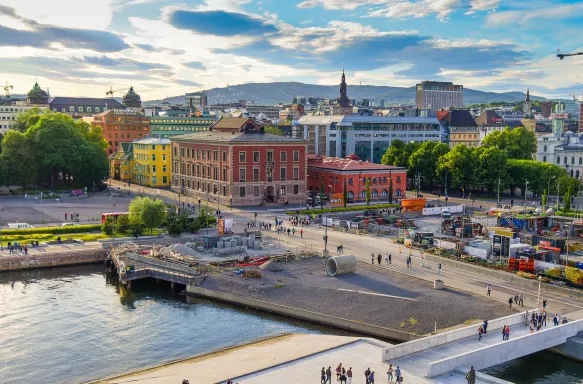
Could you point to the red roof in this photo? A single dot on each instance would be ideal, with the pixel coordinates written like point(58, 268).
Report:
point(335, 163)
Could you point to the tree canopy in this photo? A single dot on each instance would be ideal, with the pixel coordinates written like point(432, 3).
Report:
point(519, 143)
point(148, 212)
point(53, 145)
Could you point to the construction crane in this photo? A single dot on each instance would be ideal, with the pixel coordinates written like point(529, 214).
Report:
point(7, 89)
point(563, 55)
point(112, 91)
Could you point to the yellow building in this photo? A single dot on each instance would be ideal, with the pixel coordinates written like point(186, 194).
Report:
point(121, 163)
point(152, 162)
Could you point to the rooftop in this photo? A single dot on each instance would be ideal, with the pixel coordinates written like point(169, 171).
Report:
point(235, 137)
point(87, 101)
point(152, 140)
point(459, 118)
point(490, 117)
point(351, 119)
point(348, 164)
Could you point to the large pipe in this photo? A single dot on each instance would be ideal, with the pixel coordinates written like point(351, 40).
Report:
point(339, 265)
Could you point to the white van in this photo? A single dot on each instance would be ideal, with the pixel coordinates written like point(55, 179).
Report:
point(445, 213)
point(19, 226)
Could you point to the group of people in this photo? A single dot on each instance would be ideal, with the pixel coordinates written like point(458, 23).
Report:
point(72, 216)
point(19, 247)
point(388, 258)
point(345, 376)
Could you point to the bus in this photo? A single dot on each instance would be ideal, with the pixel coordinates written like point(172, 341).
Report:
point(114, 216)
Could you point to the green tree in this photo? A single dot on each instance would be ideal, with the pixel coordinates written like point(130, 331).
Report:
point(424, 159)
point(367, 191)
point(567, 199)
point(122, 223)
point(545, 197)
point(391, 190)
point(108, 227)
point(398, 155)
point(29, 118)
point(274, 130)
point(460, 165)
point(19, 159)
point(175, 223)
point(344, 194)
point(491, 166)
point(519, 143)
point(149, 212)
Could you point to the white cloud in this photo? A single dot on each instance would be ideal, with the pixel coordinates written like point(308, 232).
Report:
point(339, 4)
point(482, 5)
point(527, 17)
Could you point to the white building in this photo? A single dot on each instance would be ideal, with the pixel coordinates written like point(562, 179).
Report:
point(366, 136)
point(8, 115)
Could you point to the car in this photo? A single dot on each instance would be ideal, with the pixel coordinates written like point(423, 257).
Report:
point(19, 226)
point(68, 224)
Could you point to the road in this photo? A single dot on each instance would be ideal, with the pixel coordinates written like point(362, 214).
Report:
point(362, 246)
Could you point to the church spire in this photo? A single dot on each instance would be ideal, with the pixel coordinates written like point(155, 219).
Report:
point(343, 101)
point(528, 94)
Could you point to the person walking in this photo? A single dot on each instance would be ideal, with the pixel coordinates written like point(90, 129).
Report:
point(521, 300)
point(390, 373)
point(480, 331)
point(544, 304)
point(371, 378)
point(372, 258)
point(302, 233)
point(349, 376)
point(379, 258)
point(504, 333)
point(556, 320)
point(489, 288)
point(294, 231)
point(545, 319)
point(338, 371)
point(328, 376)
point(398, 374)
point(390, 258)
point(343, 376)
point(367, 374)
point(508, 333)
point(439, 268)
point(510, 303)
point(471, 375)
point(386, 258)
point(323, 376)
point(485, 325)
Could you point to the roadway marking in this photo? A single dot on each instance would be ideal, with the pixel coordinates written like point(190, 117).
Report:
point(374, 294)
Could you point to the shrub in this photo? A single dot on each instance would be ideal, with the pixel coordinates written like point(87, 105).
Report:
point(122, 224)
point(136, 229)
point(107, 228)
point(54, 230)
point(194, 227)
point(342, 209)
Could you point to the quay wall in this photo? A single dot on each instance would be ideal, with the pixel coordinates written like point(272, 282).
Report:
point(302, 314)
point(52, 259)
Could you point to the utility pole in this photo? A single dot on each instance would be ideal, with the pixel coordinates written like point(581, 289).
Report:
point(1, 210)
point(498, 203)
point(525, 191)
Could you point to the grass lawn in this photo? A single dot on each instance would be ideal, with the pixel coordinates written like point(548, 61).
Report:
point(86, 237)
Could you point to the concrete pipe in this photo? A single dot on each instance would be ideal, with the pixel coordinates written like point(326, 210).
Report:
point(339, 265)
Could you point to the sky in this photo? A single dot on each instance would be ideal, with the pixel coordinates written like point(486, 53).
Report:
point(169, 47)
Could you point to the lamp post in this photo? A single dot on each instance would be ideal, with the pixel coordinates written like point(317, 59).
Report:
point(42, 211)
point(208, 200)
point(525, 191)
point(1, 210)
point(113, 226)
point(538, 295)
point(326, 223)
point(549, 191)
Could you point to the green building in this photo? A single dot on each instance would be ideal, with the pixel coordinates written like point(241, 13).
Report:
point(166, 126)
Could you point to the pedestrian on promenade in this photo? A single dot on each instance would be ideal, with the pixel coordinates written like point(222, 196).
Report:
point(349, 376)
point(372, 258)
point(294, 231)
point(229, 381)
point(508, 333)
point(328, 376)
point(323, 376)
point(545, 319)
point(516, 299)
point(288, 231)
point(302, 233)
point(521, 300)
point(371, 378)
point(471, 375)
point(480, 331)
point(386, 258)
point(485, 325)
point(367, 374)
point(379, 258)
point(390, 259)
point(439, 268)
point(526, 318)
point(390, 373)
point(544, 304)
point(398, 374)
point(510, 303)
point(489, 288)
point(343, 376)
point(187, 382)
point(556, 320)
point(338, 371)
point(504, 333)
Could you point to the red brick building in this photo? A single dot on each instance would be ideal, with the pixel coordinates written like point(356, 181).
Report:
point(236, 162)
point(122, 126)
point(331, 172)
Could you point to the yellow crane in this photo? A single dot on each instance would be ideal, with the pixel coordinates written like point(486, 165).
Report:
point(111, 91)
point(7, 89)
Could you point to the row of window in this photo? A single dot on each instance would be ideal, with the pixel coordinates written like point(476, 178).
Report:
point(565, 160)
point(373, 180)
point(81, 109)
point(144, 156)
point(12, 109)
point(243, 191)
point(151, 146)
point(190, 153)
point(8, 117)
point(203, 171)
point(164, 120)
point(269, 174)
point(257, 156)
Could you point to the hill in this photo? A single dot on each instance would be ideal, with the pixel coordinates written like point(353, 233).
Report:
point(280, 92)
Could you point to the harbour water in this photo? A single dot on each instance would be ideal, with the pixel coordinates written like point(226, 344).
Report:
point(71, 325)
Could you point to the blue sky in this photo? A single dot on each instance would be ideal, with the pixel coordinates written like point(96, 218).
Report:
point(167, 47)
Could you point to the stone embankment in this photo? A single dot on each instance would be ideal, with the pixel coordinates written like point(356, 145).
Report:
point(50, 259)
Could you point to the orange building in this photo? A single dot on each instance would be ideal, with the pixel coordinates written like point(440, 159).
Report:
point(331, 172)
point(122, 126)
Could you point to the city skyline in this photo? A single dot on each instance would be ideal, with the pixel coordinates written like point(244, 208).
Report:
point(165, 48)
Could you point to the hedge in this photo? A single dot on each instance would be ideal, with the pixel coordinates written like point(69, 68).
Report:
point(54, 230)
point(343, 209)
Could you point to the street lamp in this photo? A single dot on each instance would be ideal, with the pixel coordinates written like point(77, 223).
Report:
point(42, 217)
point(549, 191)
point(326, 223)
point(113, 225)
point(1, 210)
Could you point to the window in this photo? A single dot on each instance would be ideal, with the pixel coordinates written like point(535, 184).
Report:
point(350, 181)
point(544, 158)
point(88, 109)
point(256, 190)
point(282, 190)
point(154, 180)
point(153, 169)
point(241, 174)
point(573, 160)
point(398, 192)
point(241, 191)
point(296, 189)
point(215, 155)
point(283, 155)
point(163, 157)
point(363, 194)
point(255, 157)
point(296, 173)
point(270, 156)
point(398, 179)
point(153, 157)
point(364, 180)
point(577, 174)
point(385, 193)
point(242, 157)
point(71, 109)
point(80, 109)
point(163, 168)
point(580, 160)
point(203, 154)
point(374, 193)
point(282, 175)
point(255, 174)
point(350, 195)
point(198, 153)
point(296, 155)
point(565, 160)
point(545, 148)
point(224, 156)
point(175, 151)
point(558, 160)
point(208, 154)
point(97, 109)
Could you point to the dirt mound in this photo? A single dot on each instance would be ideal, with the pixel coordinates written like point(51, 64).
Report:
point(272, 266)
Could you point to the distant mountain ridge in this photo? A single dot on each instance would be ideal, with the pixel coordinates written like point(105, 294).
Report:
point(284, 92)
